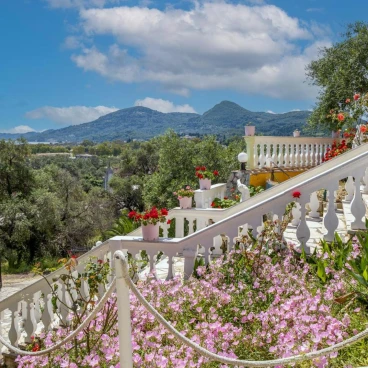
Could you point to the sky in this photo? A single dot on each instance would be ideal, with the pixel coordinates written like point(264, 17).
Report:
point(66, 62)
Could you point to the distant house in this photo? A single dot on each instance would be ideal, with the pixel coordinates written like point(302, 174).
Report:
point(85, 156)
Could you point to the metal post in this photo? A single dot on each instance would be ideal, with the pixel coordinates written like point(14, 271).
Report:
point(124, 324)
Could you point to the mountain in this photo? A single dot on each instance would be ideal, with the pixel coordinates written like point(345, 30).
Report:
point(225, 119)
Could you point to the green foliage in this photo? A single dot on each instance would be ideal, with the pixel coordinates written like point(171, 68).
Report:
point(122, 226)
point(341, 71)
point(333, 254)
point(359, 264)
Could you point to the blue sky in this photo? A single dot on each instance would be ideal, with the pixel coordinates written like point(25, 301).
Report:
point(66, 62)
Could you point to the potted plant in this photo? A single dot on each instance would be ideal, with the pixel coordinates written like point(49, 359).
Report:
point(185, 197)
point(296, 133)
point(150, 221)
point(250, 129)
point(205, 177)
point(226, 202)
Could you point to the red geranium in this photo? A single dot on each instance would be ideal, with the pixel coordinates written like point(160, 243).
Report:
point(296, 194)
point(363, 128)
point(152, 216)
point(356, 96)
point(203, 173)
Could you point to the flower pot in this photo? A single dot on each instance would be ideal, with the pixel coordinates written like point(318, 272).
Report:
point(204, 184)
point(250, 130)
point(296, 133)
point(150, 232)
point(335, 134)
point(185, 202)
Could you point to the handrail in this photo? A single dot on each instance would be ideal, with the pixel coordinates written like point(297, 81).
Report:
point(37, 285)
point(340, 167)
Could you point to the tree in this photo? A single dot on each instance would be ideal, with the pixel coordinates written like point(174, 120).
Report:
point(340, 72)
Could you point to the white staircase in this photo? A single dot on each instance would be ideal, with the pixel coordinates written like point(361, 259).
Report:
point(181, 252)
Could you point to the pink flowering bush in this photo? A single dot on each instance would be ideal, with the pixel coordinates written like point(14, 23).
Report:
point(245, 305)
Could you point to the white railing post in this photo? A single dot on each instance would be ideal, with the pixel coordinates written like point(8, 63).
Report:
point(122, 295)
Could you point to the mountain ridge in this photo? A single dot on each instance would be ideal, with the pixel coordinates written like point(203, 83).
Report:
point(224, 119)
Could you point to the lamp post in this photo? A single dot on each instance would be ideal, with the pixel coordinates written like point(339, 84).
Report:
point(242, 174)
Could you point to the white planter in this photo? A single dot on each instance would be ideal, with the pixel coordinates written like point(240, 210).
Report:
point(204, 184)
point(296, 133)
point(250, 130)
point(185, 202)
point(150, 232)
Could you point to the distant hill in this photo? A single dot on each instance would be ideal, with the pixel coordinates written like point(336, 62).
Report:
point(225, 119)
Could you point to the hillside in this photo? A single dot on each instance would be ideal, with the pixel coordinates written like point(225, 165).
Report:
point(225, 119)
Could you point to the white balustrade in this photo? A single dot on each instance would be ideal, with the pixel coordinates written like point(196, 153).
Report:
point(286, 152)
point(206, 225)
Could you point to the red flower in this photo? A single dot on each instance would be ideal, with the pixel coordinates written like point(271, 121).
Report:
point(356, 96)
point(347, 100)
point(73, 256)
point(296, 194)
point(346, 134)
point(132, 214)
point(213, 204)
point(200, 176)
point(341, 116)
point(215, 172)
point(164, 212)
point(168, 222)
point(363, 128)
point(100, 261)
point(226, 198)
point(203, 168)
point(36, 347)
point(198, 168)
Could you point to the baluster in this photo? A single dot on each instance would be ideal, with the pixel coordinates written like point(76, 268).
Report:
point(365, 187)
point(28, 316)
point(307, 155)
point(268, 154)
point(296, 213)
point(311, 154)
point(191, 225)
point(280, 155)
point(274, 152)
point(14, 333)
point(63, 305)
point(287, 155)
point(301, 155)
point(314, 206)
point(297, 155)
point(201, 223)
point(47, 314)
point(317, 155)
point(165, 229)
point(152, 254)
point(331, 221)
point(303, 232)
point(349, 187)
point(357, 206)
point(37, 307)
point(179, 227)
point(170, 274)
point(190, 254)
point(292, 155)
point(262, 155)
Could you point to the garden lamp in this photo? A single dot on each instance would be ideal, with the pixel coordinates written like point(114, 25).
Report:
point(243, 159)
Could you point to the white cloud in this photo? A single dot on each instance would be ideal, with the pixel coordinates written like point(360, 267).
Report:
point(67, 4)
point(70, 115)
point(20, 129)
point(72, 42)
point(163, 105)
point(215, 45)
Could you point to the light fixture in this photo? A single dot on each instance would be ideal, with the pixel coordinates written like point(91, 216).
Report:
point(243, 159)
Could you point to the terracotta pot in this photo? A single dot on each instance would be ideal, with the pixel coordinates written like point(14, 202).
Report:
point(204, 184)
point(185, 202)
point(335, 134)
point(150, 232)
point(250, 130)
point(296, 133)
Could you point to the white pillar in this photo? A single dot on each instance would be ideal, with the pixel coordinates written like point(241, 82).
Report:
point(122, 295)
